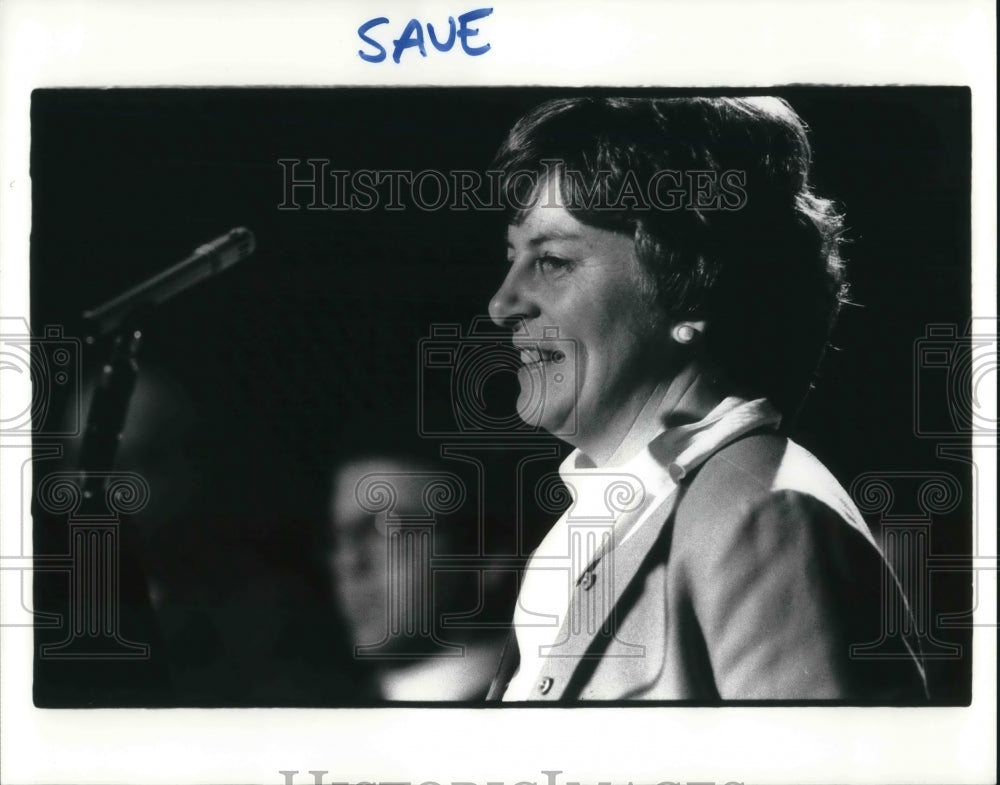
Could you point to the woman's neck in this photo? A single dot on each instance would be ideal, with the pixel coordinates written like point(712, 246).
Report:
point(688, 397)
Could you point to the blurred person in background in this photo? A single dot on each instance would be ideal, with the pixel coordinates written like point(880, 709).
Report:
point(389, 550)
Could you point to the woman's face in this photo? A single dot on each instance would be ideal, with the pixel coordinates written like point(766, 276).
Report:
point(588, 284)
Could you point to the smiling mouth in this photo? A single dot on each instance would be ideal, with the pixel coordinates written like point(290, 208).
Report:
point(533, 357)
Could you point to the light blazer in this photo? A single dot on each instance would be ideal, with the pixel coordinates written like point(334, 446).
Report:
point(751, 581)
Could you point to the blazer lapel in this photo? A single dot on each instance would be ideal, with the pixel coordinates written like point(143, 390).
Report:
point(510, 657)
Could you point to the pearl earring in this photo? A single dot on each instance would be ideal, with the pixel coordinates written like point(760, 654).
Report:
point(684, 333)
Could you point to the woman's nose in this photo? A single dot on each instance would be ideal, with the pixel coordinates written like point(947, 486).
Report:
point(511, 303)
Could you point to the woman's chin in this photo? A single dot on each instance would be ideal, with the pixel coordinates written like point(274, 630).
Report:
point(529, 414)
point(550, 416)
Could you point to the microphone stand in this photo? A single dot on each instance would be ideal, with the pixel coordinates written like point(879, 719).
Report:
point(103, 568)
point(95, 544)
point(108, 410)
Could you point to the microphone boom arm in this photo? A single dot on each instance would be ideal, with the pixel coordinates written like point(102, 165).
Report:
point(207, 260)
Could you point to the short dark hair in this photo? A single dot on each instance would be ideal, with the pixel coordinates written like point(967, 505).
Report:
point(760, 261)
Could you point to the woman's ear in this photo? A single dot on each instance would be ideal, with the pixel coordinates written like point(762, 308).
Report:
point(688, 331)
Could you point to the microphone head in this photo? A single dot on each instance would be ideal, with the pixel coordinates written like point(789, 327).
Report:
point(235, 245)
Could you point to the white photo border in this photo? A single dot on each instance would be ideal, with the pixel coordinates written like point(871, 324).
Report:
point(679, 44)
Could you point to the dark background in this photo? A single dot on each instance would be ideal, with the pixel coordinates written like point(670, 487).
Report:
point(254, 383)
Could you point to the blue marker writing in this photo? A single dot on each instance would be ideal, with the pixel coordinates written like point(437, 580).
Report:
point(412, 37)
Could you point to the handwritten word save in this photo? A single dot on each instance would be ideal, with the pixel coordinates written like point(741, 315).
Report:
point(413, 37)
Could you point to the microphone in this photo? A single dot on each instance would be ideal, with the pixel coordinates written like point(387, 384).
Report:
point(207, 260)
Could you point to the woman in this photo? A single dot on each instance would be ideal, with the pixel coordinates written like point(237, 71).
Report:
point(671, 288)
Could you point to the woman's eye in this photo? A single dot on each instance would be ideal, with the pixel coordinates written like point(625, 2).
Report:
point(554, 264)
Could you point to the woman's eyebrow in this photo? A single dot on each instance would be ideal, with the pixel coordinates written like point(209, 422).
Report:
point(550, 235)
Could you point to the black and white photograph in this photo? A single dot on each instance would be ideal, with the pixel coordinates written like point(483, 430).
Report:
point(393, 404)
point(509, 402)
